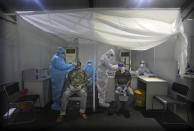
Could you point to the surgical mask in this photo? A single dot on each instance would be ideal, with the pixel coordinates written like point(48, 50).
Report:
point(112, 55)
point(89, 64)
point(111, 58)
point(141, 65)
point(62, 55)
point(123, 69)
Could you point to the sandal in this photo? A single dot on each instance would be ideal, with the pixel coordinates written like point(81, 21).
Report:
point(84, 116)
point(59, 119)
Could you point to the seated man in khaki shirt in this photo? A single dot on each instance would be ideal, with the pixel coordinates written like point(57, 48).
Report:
point(77, 81)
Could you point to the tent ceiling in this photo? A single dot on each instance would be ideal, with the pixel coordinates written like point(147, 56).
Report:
point(137, 29)
point(134, 29)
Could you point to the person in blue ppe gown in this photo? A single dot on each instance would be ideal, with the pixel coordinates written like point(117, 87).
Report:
point(58, 70)
point(89, 70)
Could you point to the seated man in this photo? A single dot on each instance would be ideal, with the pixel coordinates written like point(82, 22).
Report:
point(77, 81)
point(123, 90)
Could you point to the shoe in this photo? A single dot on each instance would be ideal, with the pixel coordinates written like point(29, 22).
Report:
point(105, 105)
point(84, 116)
point(59, 119)
point(118, 113)
point(110, 111)
point(126, 114)
point(56, 107)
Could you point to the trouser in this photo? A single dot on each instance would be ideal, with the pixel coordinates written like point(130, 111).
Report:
point(57, 89)
point(126, 104)
point(118, 103)
point(69, 92)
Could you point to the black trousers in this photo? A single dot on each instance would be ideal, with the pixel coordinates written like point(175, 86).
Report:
point(120, 105)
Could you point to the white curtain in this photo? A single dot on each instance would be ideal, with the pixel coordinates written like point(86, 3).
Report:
point(134, 29)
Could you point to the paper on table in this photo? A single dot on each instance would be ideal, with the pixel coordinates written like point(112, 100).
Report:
point(9, 113)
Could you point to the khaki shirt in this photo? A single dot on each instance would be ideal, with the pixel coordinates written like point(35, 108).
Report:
point(77, 78)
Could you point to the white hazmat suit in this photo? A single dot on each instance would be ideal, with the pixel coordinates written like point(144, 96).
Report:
point(142, 68)
point(105, 82)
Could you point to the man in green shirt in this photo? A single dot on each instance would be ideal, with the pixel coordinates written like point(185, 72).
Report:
point(77, 81)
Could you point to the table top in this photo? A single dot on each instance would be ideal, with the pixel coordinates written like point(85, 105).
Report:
point(151, 79)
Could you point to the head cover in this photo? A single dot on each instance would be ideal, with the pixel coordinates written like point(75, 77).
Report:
point(60, 52)
point(110, 53)
point(142, 62)
point(89, 62)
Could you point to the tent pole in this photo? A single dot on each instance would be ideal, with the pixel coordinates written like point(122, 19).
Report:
point(154, 56)
point(94, 82)
point(130, 59)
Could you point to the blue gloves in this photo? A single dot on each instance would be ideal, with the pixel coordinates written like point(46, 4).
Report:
point(125, 89)
point(120, 64)
point(141, 74)
point(118, 88)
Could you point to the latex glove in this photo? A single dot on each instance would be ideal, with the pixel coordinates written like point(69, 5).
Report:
point(141, 74)
point(120, 64)
point(74, 64)
point(125, 88)
point(115, 67)
point(118, 88)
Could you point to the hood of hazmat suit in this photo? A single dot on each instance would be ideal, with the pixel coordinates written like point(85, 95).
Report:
point(58, 70)
point(105, 82)
point(142, 68)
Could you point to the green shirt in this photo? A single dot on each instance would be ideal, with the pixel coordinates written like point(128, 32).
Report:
point(77, 78)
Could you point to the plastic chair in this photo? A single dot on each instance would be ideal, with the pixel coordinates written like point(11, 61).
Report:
point(21, 102)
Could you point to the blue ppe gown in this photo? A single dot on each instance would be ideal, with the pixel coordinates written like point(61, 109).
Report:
point(89, 70)
point(58, 71)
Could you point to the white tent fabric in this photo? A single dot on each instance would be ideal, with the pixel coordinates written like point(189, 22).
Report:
point(133, 29)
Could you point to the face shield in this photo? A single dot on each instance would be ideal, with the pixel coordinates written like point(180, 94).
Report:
point(111, 55)
point(89, 63)
point(62, 55)
point(142, 63)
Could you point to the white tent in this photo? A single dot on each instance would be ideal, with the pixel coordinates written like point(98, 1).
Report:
point(133, 29)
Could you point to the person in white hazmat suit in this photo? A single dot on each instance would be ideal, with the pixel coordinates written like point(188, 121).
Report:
point(142, 68)
point(105, 78)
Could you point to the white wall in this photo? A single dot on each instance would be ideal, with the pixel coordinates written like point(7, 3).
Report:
point(188, 26)
point(87, 51)
point(24, 46)
point(8, 52)
point(162, 63)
